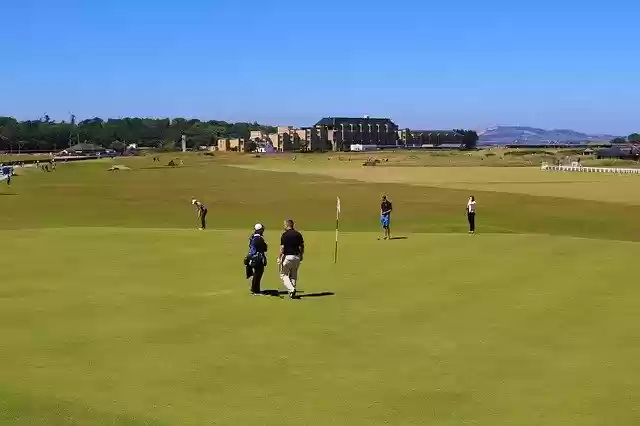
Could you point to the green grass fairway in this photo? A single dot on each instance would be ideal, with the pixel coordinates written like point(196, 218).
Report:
point(114, 310)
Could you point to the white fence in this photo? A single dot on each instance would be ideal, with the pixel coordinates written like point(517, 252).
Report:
point(574, 168)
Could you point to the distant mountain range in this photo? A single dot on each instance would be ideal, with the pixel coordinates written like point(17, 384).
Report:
point(522, 135)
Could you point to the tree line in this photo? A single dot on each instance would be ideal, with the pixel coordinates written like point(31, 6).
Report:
point(45, 134)
point(632, 138)
point(469, 138)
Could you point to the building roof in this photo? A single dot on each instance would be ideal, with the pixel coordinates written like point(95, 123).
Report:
point(616, 151)
point(85, 147)
point(436, 132)
point(336, 121)
point(449, 145)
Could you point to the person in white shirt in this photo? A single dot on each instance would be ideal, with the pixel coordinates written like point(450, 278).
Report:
point(471, 214)
point(202, 213)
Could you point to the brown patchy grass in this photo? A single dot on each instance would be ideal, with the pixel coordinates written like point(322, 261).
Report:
point(518, 180)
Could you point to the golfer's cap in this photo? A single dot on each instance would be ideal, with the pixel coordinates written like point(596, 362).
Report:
point(258, 227)
point(193, 201)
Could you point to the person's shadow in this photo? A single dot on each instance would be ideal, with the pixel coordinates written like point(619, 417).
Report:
point(299, 294)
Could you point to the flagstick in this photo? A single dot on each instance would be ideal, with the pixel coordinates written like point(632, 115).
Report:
point(335, 250)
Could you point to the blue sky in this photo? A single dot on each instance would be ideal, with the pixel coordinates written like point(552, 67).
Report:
point(464, 63)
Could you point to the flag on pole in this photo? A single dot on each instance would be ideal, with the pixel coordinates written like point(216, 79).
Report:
point(335, 250)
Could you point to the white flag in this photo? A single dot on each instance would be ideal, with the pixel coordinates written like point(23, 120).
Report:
point(338, 206)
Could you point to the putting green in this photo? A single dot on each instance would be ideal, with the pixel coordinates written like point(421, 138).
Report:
point(156, 327)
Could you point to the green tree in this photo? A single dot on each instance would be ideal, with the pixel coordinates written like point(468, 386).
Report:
point(46, 134)
point(117, 146)
point(634, 138)
point(469, 138)
point(618, 140)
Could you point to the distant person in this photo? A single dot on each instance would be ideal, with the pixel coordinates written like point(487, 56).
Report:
point(291, 255)
point(471, 214)
point(202, 213)
point(385, 217)
point(256, 259)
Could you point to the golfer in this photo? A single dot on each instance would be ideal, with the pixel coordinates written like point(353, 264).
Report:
point(256, 259)
point(385, 217)
point(202, 213)
point(471, 214)
point(291, 254)
point(8, 172)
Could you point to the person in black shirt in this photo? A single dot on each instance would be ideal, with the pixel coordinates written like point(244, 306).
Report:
point(385, 216)
point(202, 213)
point(291, 255)
point(256, 259)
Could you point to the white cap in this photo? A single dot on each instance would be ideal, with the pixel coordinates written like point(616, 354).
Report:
point(193, 201)
point(258, 227)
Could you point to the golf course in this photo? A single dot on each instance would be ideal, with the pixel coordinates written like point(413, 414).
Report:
point(116, 310)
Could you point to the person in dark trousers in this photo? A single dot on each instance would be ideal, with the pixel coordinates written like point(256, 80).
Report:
point(256, 259)
point(8, 171)
point(291, 255)
point(471, 214)
point(385, 217)
point(202, 213)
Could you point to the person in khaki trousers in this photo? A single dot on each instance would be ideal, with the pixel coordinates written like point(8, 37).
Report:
point(291, 255)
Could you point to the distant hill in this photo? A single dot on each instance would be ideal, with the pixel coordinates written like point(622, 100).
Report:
point(522, 135)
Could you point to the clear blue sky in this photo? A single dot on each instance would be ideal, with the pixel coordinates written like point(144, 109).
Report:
point(465, 63)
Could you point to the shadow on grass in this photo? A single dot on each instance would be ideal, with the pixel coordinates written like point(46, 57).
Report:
point(300, 294)
point(8, 193)
point(322, 294)
point(274, 293)
point(399, 238)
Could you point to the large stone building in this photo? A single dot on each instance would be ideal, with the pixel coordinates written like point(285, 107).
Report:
point(257, 135)
point(339, 133)
point(289, 138)
point(330, 134)
point(429, 137)
point(237, 144)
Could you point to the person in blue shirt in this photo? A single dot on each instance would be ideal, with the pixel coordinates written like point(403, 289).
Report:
point(7, 171)
point(385, 217)
point(256, 259)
